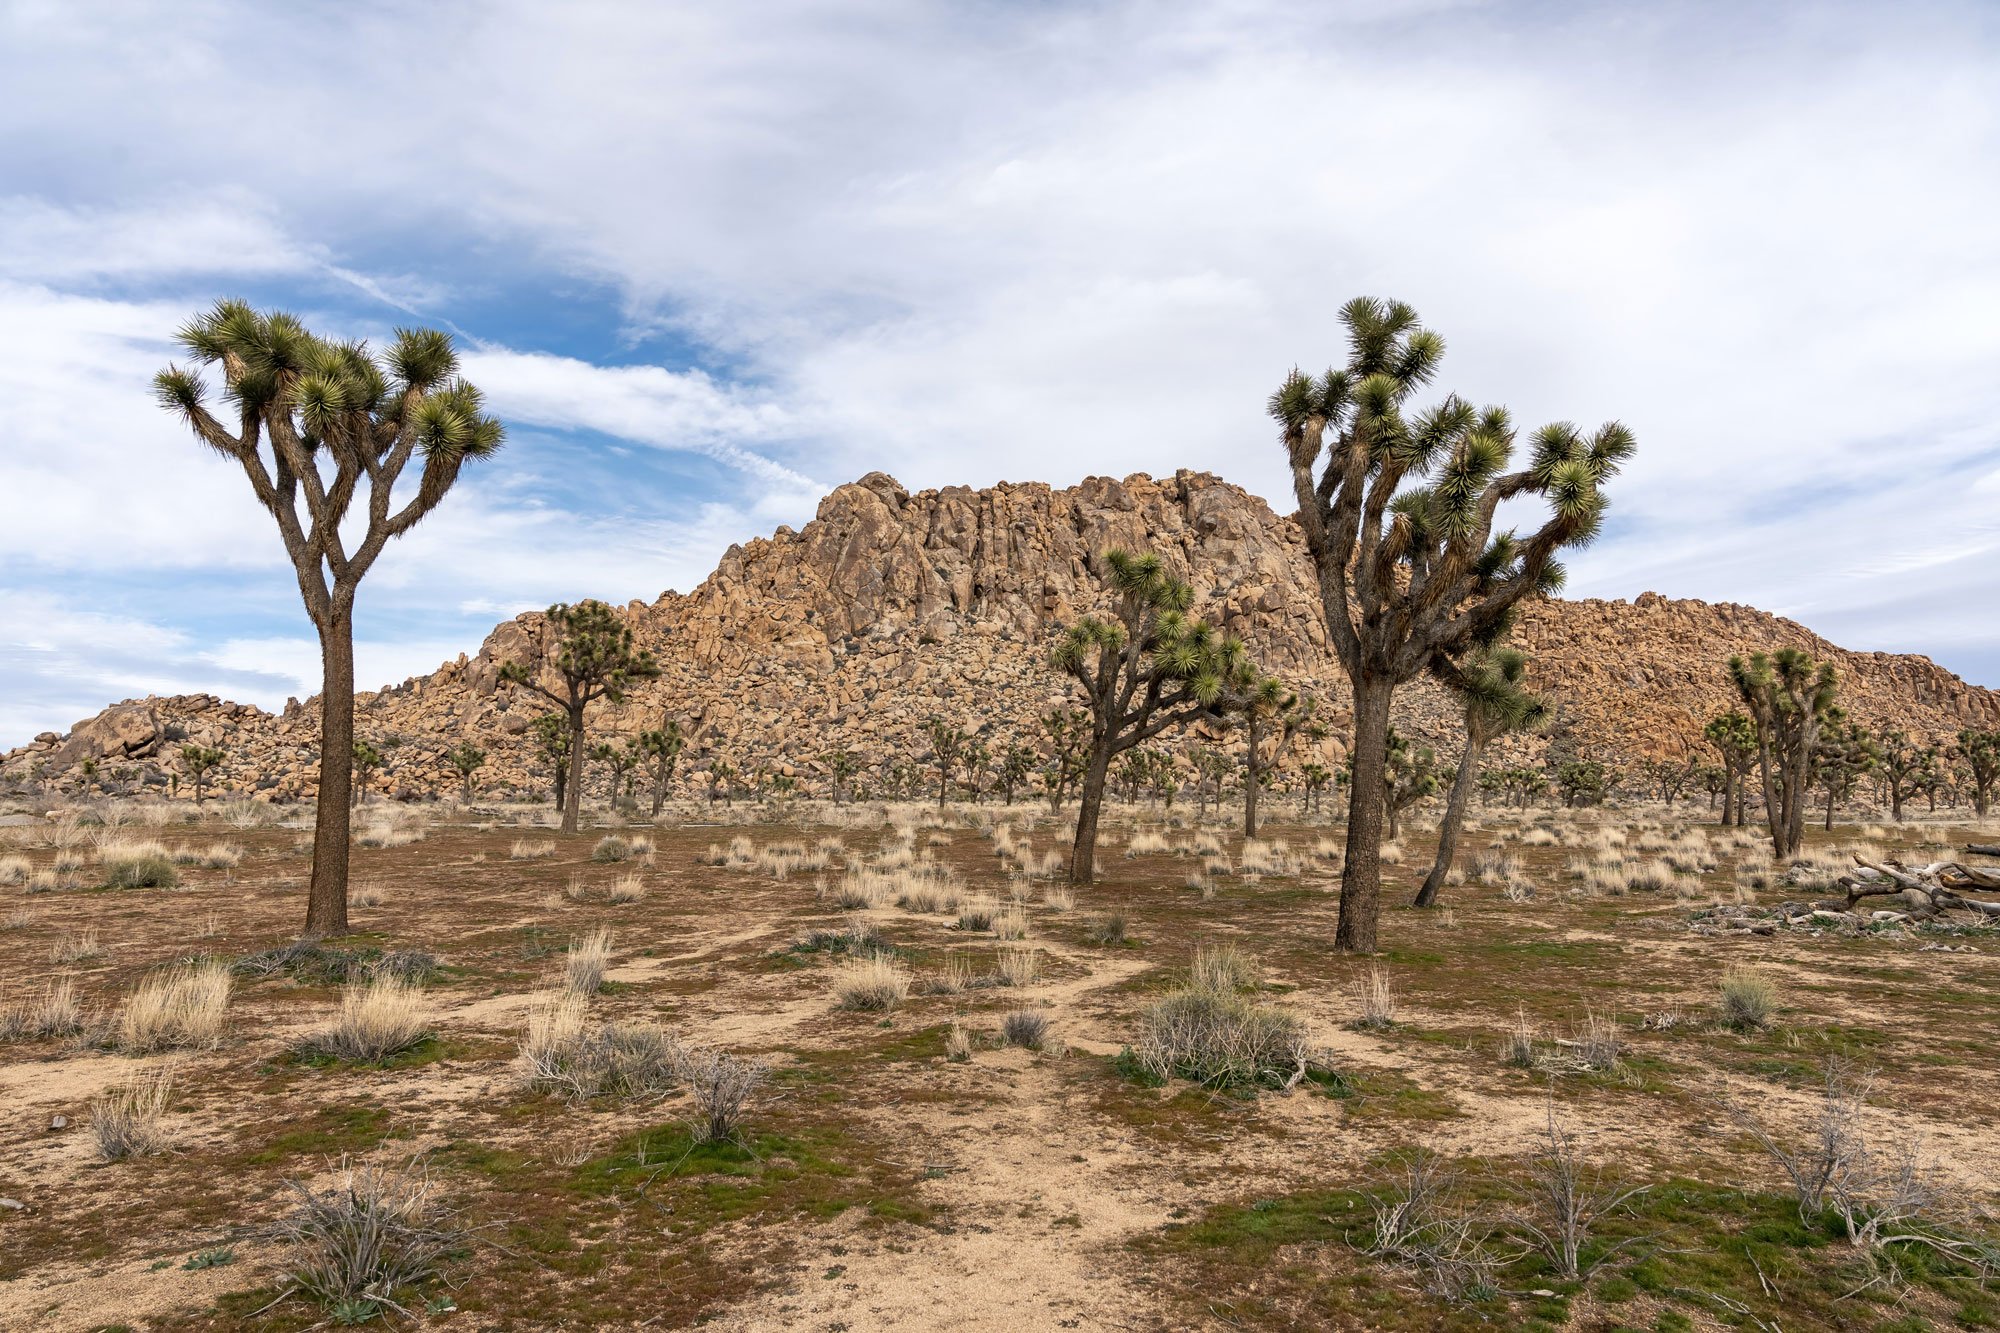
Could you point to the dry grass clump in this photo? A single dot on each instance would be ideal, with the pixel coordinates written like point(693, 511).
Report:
point(376, 1231)
point(74, 946)
point(215, 856)
point(877, 984)
point(15, 870)
point(182, 1008)
point(1518, 1047)
point(611, 849)
point(977, 914)
point(1147, 842)
point(1392, 853)
point(628, 889)
point(957, 1044)
point(1327, 849)
point(586, 961)
point(1749, 998)
point(379, 1018)
point(958, 975)
point(1222, 967)
point(366, 894)
point(1537, 836)
point(1011, 923)
point(1374, 999)
point(1219, 1038)
point(1495, 867)
point(561, 1052)
point(19, 919)
point(392, 829)
point(138, 866)
point(1018, 966)
point(527, 850)
point(1106, 931)
point(1058, 898)
point(53, 1013)
point(1025, 1027)
point(130, 1121)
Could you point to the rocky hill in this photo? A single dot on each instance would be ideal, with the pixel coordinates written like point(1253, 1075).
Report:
point(890, 607)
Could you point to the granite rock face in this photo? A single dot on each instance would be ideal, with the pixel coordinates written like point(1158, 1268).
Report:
point(890, 607)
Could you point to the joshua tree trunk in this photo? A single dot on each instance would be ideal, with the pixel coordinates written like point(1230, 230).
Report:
point(326, 898)
point(573, 785)
point(1361, 877)
point(1454, 816)
point(1250, 787)
point(1083, 853)
point(1829, 808)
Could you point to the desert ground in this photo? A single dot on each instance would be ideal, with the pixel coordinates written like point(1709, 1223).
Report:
point(915, 1165)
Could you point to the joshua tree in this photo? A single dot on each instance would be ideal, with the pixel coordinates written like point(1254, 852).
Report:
point(1789, 697)
point(1492, 686)
point(1734, 737)
point(468, 759)
point(319, 424)
point(975, 763)
point(1211, 769)
point(1582, 781)
point(948, 745)
point(1714, 779)
point(552, 745)
point(663, 746)
point(1016, 763)
point(1313, 779)
point(841, 766)
point(722, 778)
point(366, 760)
point(594, 658)
point(1982, 763)
point(620, 760)
point(1903, 766)
point(1068, 730)
point(1411, 571)
point(1146, 670)
point(1843, 755)
point(1670, 777)
point(1271, 713)
point(1523, 784)
point(1410, 775)
point(199, 763)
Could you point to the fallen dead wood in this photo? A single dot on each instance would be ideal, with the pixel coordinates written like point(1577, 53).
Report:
point(1927, 890)
point(1983, 848)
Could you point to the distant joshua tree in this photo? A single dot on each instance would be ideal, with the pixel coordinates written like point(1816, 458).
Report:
point(1411, 774)
point(552, 746)
point(1789, 697)
point(467, 759)
point(1068, 730)
point(1148, 669)
point(199, 763)
point(1016, 763)
point(1492, 684)
point(318, 424)
point(1272, 715)
point(1734, 737)
point(366, 760)
point(1844, 754)
point(1582, 781)
point(595, 658)
point(1398, 513)
point(948, 745)
point(619, 761)
point(1981, 750)
point(662, 746)
point(722, 779)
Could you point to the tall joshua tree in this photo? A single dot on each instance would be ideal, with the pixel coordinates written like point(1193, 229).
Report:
point(663, 746)
point(1790, 698)
point(594, 658)
point(318, 425)
point(948, 746)
point(1982, 761)
point(1906, 767)
point(1844, 754)
point(841, 766)
point(1409, 775)
point(1146, 670)
point(199, 763)
point(1492, 686)
point(551, 744)
point(1398, 507)
point(1734, 737)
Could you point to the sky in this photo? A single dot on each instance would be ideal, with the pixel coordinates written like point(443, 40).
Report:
point(710, 261)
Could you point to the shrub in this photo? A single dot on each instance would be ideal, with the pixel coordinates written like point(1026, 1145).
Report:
point(1219, 1039)
point(378, 1019)
point(1568, 1197)
point(375, 1231)
point(561, 1052)
point(611, 848)
point(877, 983)
point(1106, 930)
point(722, 1086)
point(1025, 1027)
point(586, 961)
point(54, 1013)
point(140, 870)
point(183, 1008)
point(1415, 1223)
point(130, 1121)
point(1748, 998)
